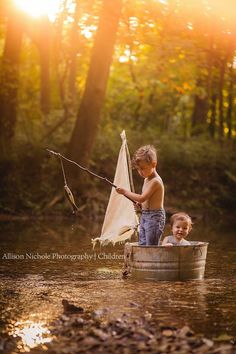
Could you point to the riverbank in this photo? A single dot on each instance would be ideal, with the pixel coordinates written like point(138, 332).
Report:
point(227, 219)
point(79, 330)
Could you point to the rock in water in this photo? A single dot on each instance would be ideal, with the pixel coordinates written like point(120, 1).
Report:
point(70, 308)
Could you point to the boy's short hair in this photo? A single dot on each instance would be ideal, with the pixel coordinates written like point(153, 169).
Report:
point(181, 217)
point(145, 153)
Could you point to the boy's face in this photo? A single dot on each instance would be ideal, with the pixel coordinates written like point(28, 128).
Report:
point(146, 169)
point(180, 229)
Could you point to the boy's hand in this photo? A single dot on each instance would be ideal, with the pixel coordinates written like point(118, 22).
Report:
point(121, 190)
point(168, 244)
point(137, 207)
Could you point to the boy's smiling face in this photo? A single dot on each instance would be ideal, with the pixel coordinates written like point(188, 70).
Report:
point(146, 169)
point(180, 229)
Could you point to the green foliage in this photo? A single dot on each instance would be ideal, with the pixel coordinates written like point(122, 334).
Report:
point(29, 180)
point(166, 54)
point(198, 174)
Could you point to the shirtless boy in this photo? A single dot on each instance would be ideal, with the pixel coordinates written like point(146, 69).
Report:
point(151, 199)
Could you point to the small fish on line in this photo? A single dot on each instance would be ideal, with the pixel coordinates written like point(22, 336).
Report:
point(71, 199)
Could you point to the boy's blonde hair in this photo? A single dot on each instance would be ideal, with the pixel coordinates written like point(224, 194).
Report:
point(181, 217)
point(145, 153)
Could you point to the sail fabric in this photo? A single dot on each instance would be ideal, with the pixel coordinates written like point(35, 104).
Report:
point(120, 220)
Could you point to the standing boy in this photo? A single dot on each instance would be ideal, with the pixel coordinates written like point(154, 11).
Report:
point(151, 199)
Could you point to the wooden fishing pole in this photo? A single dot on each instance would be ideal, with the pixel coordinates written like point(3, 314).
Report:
point(104, 179)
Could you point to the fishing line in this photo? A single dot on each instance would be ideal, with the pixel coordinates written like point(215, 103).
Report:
point(63, 171)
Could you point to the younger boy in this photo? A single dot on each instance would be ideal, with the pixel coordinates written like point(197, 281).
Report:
point(152, 220)
point(181, 225)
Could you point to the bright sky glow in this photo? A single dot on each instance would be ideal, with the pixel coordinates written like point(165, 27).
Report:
point(37, 8)
point(88, 31)
point(134, 22)
point(123, 59)
point(190, 26)
point(234, 62)
point(163, 2)
point(126, 57)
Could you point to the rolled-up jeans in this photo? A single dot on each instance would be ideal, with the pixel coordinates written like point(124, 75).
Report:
point(152, 225)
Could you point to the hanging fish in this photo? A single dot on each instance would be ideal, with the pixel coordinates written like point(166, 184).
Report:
point(67, 190)
point(71, 199)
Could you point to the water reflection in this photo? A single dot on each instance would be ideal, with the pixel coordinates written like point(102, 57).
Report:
point(31, 333)
point(37, 286)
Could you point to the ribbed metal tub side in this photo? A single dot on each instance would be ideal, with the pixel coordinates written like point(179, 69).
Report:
point(167, 263)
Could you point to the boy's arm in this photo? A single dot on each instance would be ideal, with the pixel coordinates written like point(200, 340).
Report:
point(140, 198)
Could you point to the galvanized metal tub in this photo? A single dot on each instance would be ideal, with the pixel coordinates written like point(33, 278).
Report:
point(166, 263)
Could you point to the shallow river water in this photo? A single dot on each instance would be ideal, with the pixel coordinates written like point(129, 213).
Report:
point(45, 262)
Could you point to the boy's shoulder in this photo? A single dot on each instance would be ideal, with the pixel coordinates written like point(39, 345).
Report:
point(154, 183)
point(157, 180)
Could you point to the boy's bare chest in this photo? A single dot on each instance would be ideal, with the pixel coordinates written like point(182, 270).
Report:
point(155, 199)
point(146, 185)
point(149, 183)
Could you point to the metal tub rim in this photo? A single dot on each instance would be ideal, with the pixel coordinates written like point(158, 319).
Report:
point(192, 243)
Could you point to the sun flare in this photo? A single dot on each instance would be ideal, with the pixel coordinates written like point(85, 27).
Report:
point(31, 333)
point(37, 8)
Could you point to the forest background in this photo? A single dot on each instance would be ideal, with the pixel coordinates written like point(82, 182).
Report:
point(74, 74)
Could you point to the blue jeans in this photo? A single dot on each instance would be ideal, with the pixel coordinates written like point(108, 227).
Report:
point(152, 225)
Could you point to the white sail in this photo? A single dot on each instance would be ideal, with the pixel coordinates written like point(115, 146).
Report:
point(120, 220)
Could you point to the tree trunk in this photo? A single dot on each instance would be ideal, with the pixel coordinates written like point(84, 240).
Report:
point(85, 130)
point(9, 80)
point(199, 114)
point(44, 53)
point(230, 101)
point(41, 34)
point(74, 38)
point(212, 125)
point(221, 110)
point(211, 81)
point(204, 83)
